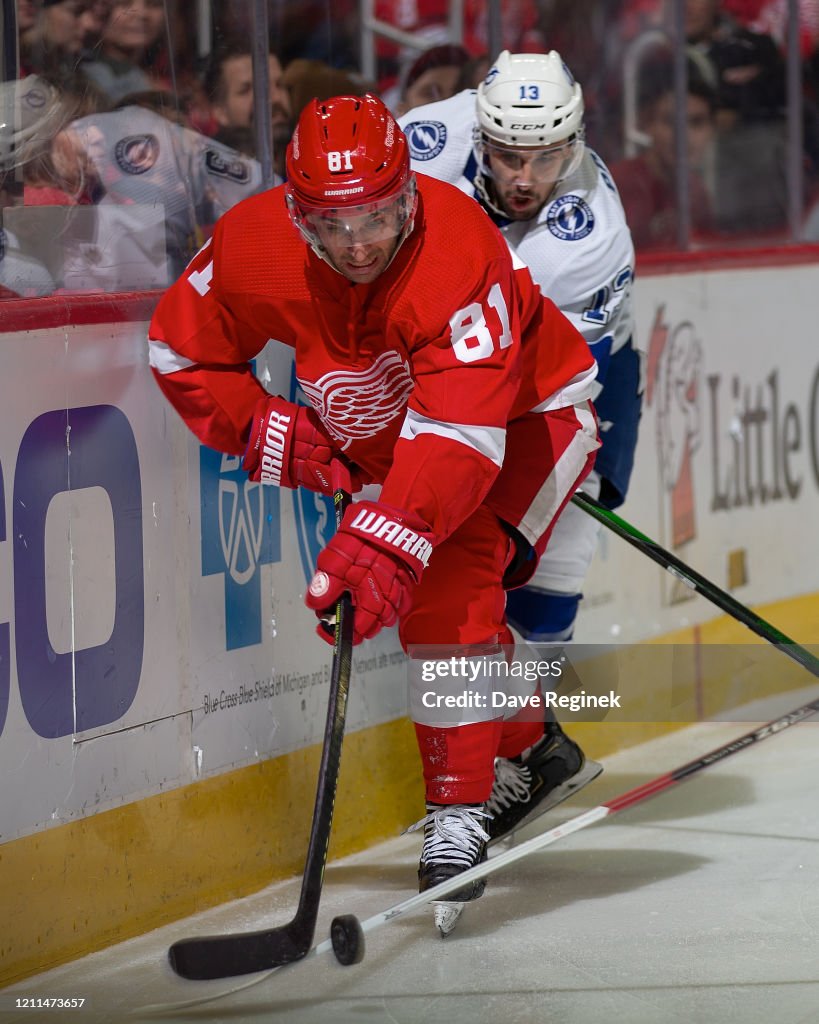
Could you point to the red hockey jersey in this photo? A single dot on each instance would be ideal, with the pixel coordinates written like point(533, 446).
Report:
point(416, 374)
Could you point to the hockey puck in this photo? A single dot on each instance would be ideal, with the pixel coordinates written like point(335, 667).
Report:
point(347, 939)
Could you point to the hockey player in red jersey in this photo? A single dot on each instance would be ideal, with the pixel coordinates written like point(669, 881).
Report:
point(434, 367)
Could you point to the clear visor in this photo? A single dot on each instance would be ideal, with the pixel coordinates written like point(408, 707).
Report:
point(527, 166)
point(331, 227)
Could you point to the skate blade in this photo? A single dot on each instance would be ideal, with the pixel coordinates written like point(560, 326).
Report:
point(588, 773)
point(446, 915)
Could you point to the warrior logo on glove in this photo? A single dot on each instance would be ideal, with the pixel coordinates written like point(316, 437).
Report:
point(392, 532)
point(378, 556)
point(275, 445)
point(290, 447)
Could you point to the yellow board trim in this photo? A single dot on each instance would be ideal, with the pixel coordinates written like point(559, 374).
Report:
point(80, 887)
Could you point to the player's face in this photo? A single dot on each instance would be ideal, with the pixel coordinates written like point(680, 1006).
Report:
point(523, 179)
point(360, 242)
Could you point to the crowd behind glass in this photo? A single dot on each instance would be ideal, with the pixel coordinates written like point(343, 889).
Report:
point(127, 126)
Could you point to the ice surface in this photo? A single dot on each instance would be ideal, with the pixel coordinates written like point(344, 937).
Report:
point(698, 905)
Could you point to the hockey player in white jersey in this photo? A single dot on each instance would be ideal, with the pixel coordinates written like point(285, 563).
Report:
point(517, 145)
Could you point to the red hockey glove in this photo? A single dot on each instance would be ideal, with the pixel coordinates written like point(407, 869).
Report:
point(377, 555)
point(289, 446)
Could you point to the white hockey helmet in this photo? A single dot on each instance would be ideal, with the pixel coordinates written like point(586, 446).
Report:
point(529, 99)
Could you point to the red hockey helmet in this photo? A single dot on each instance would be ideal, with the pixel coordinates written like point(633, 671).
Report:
point(346, 151)
point(348, 160)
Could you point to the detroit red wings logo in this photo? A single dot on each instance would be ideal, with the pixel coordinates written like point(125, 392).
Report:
point(359, 403)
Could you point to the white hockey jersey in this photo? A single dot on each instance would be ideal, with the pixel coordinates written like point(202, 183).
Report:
point(578, 249)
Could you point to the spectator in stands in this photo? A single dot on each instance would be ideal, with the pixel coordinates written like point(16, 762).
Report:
point(137, 156)
point(54, 43)
point(26, 16)
point(428, 20)
point(240, 137)
point(228, 85)
point(473, 72)
point(596, 39)
point(648, 182)
point(42, 107)
point(435, 75)
point(28, 176)
point(770, 17)
point(131, 29)
point(307, 80)
point(93, 22)
point(750, 68)
point(159, 100)
point(159, 185)
point(751, 159)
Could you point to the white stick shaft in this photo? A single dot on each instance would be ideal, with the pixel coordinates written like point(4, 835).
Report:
point(489, 867)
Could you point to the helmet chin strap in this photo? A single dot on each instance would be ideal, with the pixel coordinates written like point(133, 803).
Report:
point(482, 187)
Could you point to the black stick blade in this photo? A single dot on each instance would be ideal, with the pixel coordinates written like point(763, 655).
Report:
point(224, 956)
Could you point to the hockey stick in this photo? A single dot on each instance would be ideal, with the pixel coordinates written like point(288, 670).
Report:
point(695, 581)
point(222, 956)
point(604, 810)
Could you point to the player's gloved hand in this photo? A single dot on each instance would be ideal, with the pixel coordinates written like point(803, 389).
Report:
point(289, 446)
point(377, 555)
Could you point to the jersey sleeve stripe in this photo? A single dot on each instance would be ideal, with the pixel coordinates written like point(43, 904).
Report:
point(163, 359)
point(487, 441)
point(582, 387)
point(557, 486)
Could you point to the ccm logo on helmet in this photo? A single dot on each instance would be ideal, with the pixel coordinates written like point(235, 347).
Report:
point(528, 127)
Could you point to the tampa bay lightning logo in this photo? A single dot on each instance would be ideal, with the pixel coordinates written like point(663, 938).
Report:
point(426, 139)
point(314, 514)
point(570, 218)
point(491, 75)
point(137, 154)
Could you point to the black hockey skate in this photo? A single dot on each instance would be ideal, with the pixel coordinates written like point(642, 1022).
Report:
point(537, 780)
point(454, 840)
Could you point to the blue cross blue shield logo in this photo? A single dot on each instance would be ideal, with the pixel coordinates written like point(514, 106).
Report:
point(241, 530)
